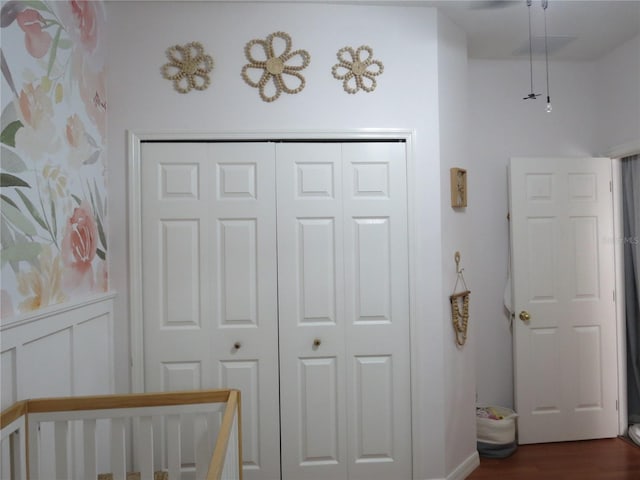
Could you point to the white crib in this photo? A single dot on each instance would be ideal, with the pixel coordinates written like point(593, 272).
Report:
point(152, 436)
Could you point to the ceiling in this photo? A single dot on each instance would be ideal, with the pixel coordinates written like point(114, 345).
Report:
point(578, 30)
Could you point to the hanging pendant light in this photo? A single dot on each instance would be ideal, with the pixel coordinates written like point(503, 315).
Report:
point(545, 5)
point(531, 96)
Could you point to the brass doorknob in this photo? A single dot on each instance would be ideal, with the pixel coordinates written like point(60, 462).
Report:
point(524, 316)
point(316, 342)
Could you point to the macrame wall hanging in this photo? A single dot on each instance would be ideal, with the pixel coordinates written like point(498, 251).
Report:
point(356, 71)
point(460, 319)
point(268, 70)
point(188, 67)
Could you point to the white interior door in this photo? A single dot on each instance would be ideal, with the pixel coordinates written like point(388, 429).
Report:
point(563, 285)
point(210, 281)
point(343, 307)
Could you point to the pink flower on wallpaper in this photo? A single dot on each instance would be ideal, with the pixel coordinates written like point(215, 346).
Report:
point(36, 40)
point(93, 90)
point(41, 286)
point(84, 21)
point(79, 248)
point(76, 136)
point(35, 110)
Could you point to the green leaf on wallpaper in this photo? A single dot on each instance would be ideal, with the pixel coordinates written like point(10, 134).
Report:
point(54, 221)
point(10, 161)
point(38, 5)
point(8, 200)
point(19, 221)
point(101, 254)
point(91, 140)
point(8, 135)
point(53, 51)
point(22, 251)
point(9, 114)
point(93, 203)
point(93, 158)
point(100, 206)
point(65, 44)
point(76, 198)
point(8, 180)
point(6, 235)
point(103, 237)
point(32, 210)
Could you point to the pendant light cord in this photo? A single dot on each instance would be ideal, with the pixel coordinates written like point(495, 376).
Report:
point(531, 96)
point(545, 4)
point(530, 47)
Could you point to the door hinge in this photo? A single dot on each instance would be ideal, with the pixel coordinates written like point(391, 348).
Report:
point(616, 405)
point(614, 296)
point(610, 186)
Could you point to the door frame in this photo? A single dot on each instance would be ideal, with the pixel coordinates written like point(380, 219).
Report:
point(134, 211)
point(616, 153)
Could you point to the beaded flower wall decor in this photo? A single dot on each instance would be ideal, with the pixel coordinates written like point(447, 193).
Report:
point(188, 67)
point(357, 73)
point(267, 69)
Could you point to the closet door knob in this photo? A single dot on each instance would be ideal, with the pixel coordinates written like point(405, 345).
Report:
point(524, 316)
point(237, 345)
point(316, 342)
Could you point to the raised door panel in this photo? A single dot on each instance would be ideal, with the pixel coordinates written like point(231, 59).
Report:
point(209, 280)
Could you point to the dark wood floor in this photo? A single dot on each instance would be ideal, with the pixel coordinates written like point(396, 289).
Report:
point(609, 459)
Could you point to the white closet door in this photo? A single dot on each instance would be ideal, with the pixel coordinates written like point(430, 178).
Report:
point(209, 282)
point(311, 311)
point(377, 310)
point(343, 307)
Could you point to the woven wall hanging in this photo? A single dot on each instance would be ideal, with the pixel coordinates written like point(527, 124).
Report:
point(357, 73)
point(268, 70)
point(188, 67)
point(460, 319)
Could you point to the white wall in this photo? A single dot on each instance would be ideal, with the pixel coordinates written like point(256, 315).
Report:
point(503, 125)
point(403, 38)
point(596, 107)
point(618, 97)
point(460, 374)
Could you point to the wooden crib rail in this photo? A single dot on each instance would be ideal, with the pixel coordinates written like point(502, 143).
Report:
point(224, 463)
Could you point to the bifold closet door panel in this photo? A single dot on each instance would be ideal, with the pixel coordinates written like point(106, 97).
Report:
point(210, 281)
point(343, 306)
point(311, 306)
point(376, 291)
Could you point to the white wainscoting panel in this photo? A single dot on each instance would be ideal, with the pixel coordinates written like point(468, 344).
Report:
point(59, 351)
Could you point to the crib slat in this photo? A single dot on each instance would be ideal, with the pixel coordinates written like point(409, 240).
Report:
point(118, 449)
point(89, 443)
point(61, 430)
point(202, 444)
point(145, 445)
point(34, 450)
point(230, 468)
point(173, 446)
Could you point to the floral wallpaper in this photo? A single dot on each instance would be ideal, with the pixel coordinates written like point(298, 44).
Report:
point(52, 137)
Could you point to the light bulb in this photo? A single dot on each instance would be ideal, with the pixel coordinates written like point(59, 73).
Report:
point(549, 108)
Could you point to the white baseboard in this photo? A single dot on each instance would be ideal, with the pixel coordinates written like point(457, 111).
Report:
point(463, 470)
